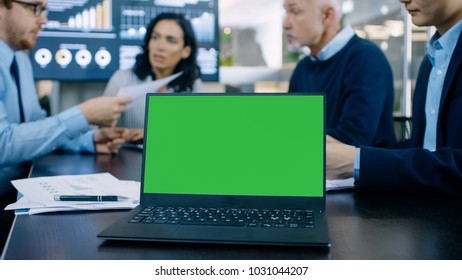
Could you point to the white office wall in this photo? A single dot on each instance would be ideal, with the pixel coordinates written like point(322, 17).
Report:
point(265, 17)
point(269, 36)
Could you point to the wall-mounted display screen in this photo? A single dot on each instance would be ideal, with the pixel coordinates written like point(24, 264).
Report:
point(91, 39)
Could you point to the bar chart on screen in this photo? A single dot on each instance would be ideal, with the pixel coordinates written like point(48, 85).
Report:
point(91, 39)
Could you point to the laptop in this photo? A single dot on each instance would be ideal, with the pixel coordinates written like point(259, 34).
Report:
point(231, 168)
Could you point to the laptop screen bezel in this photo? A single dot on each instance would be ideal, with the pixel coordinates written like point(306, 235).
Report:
point(230, 201)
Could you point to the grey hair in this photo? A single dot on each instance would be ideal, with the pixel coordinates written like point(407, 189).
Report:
point(336, 4)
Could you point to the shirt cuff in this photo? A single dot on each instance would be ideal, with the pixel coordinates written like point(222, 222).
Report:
point(86, 143)
point(75, 121)
point(356, 165)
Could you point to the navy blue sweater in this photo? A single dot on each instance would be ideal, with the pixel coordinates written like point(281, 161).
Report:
point(358, 84)
point(416, 170)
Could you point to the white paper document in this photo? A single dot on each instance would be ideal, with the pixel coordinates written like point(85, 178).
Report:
point(332, 185)
point(39, 193)
point(139, 91)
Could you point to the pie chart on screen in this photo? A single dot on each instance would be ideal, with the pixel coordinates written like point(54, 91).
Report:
point(43, 57)
point(83, 58)
point(103, 58)
point(63, 57)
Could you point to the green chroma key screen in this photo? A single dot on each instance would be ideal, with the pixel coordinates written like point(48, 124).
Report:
point(271, 145)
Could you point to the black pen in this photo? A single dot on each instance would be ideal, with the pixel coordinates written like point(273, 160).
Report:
point(89, 198)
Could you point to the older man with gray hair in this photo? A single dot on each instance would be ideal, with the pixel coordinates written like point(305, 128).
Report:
point(352, 72)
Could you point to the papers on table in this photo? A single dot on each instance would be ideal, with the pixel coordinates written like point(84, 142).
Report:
point(139, 91)
point(133, 146)
point(38, 193)
point(333, 185)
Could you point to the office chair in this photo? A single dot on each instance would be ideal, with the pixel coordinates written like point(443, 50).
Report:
point(403, 127)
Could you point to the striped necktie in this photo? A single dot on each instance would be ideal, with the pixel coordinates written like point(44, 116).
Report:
point(15, 74)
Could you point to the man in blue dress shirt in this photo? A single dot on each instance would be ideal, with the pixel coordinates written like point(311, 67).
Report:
point(431, 161)
point(353, 73)
point(25, 132)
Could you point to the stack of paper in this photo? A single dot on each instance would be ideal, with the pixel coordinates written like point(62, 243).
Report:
point(38, 194)
point(139, 91)
point(335, 185)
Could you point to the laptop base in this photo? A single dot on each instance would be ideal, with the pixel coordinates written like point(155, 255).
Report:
point(123, 230)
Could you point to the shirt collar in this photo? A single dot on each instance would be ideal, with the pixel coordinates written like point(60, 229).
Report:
point(447, 42)
point(6, 54)
point(335, 45)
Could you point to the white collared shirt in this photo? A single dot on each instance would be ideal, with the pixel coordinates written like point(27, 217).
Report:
point(335, 45)
point(439, 52)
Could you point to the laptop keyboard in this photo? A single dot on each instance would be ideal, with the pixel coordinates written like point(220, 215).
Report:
point(225, 217)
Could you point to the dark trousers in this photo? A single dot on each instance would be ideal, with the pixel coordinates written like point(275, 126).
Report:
point(6, 216)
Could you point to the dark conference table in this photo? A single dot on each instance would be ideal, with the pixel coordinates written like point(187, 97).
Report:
point(361, 227)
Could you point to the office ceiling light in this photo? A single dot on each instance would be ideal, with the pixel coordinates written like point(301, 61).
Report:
point(384, 46)
point(384, 10)
point(419, 36)
point(361, 33)
point(377, 32)
point(227, 30)
point(348, 6)
point(395, 27)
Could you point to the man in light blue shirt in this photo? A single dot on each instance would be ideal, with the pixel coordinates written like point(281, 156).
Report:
point(439, 52)
point(25, 132)
point(431, 161)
